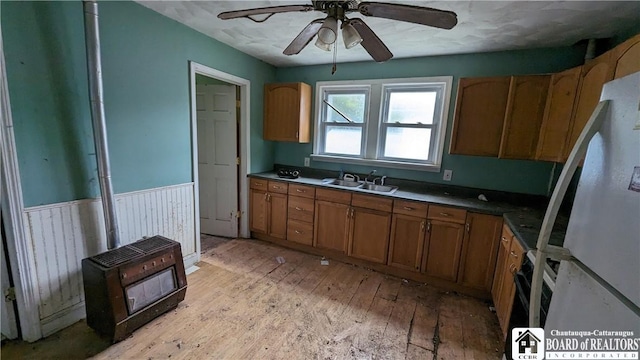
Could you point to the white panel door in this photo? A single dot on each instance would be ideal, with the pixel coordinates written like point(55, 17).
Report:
point(217, 153)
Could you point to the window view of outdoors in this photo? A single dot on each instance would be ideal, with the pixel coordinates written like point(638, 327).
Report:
point(407, 143)
point(344, 139)
point(411, 107)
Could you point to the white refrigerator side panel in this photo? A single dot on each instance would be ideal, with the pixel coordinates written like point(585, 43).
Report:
point(604, 227)
point(581, 303)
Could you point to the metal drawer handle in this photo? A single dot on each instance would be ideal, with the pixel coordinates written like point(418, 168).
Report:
point(257, 183)
point(299, 232)
point(513, 253)
point(445, 214)
point(408, 208)
point(504, 238)
point(512, 269)
point(299, 208)
point(301, 191)
point(276, 187)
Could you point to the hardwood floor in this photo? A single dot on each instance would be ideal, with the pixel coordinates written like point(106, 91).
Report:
point(243, 304)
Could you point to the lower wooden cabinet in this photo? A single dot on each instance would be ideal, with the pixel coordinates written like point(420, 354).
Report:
point(258, 211)
point(509, 259)
point(331, 226)
point(407, 242)
point(479, 251)
point(268, 211)
point(429, 240)
point(369, 234)
point(442, 252)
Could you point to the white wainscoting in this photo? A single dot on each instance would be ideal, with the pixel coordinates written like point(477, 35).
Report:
point(63, 234)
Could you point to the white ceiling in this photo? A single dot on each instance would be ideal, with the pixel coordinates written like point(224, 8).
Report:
point(482, 26)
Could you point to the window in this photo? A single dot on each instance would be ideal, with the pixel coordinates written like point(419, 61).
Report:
point(394, 123)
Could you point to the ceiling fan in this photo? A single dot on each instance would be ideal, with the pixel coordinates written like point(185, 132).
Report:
point(354, 30)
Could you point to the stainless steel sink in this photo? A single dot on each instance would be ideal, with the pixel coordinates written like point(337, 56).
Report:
point(346, 183)
point(379, 188)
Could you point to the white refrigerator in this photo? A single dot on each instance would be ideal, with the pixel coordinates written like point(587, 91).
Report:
point(600, 288)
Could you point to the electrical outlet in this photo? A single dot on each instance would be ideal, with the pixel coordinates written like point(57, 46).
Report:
point(307, 162)
point(447, 175)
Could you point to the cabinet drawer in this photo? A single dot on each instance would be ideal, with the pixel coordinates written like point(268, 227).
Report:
point(300, 232)
point(372, 202)
point(411, 208)
point(336, 196)
point(300, 209)
point(301, 190)
point(258, 184)
point(447, 214)
point(278, 187)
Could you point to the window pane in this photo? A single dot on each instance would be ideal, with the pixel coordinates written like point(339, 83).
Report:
point(343, 140)
point(407, 143)
point(351, 105)
point(411, 107)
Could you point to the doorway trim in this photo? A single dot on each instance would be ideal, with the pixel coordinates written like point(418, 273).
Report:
point(21, 257)
point(245, 153)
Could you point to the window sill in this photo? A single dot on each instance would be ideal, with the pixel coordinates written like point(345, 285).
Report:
point(380, 163)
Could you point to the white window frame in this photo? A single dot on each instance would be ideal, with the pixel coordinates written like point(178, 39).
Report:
point(374, 129)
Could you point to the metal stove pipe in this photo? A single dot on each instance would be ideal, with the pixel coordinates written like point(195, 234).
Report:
point(94, 69)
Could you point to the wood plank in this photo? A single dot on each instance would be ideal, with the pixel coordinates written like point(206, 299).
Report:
point(243, 304)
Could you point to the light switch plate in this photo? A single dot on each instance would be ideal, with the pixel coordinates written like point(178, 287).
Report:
point(447, 175)
point(307, 162)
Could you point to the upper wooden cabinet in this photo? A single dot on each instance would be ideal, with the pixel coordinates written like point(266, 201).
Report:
point(479, 116)
point(557, 115)
point(287, 112)
point(525, 110)
point(594, 75)
point(626, 57)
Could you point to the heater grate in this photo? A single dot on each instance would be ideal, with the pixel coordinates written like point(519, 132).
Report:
point(151, 244)
point(116, 256)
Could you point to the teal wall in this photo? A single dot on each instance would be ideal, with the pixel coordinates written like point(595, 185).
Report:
point(145, 71)
point(481, 172)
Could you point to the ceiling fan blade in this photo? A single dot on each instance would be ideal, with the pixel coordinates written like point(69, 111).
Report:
point(371, 42)
point(265, 10)
point(303, 38)
point(415, 14)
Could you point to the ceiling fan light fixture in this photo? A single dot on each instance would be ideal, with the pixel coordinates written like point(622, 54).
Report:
point(322, 45)
point(328, 32)
point(350, 35)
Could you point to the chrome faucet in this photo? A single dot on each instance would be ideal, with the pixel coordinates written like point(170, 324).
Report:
point(382, 178)
point(367, 179)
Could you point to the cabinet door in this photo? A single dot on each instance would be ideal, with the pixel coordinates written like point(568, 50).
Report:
point(259, 212)
point(331, 225)
point(525, 109)
point(278, 215)
point(480, 109)
point(557, 115)
point(479, 251)
point(369, 235)
point(443, 251)
point(287, 111)
point(501, 266)
point(507, 294)
point(594, 74)
point(407, 241)
point(626, 57)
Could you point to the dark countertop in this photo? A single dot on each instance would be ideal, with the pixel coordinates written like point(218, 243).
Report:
point(523, 213)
